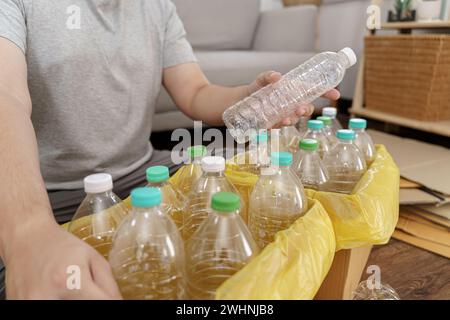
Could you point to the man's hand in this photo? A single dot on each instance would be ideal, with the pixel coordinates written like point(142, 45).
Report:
point(307, 110)
point(36, 268)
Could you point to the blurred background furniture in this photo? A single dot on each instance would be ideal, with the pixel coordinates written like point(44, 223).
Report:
point(235, 40)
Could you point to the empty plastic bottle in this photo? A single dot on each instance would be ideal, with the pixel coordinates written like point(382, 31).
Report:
point(332, 113)
point(345, 163)
point(257, 155)
point(315, 131)
point(100, 213)
point(309, 167)
point(290, 138)
point(213, 180)
point(147, 256)
point(191, 172)
point(173, 202)
point(328, 129)
point(364, 291)
point(302, 126)
point(362, 139)
point(219, 248)
point(302, 85)
point(277, 200)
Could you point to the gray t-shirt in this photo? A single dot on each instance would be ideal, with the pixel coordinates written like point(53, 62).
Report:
point(94, 73)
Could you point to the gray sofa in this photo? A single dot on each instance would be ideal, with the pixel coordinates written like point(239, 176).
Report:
point(234, 41)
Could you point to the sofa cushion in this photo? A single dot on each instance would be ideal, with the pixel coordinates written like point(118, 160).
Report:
point(219, 24)
point(234, 68)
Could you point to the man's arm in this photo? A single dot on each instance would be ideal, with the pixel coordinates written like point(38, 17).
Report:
point(200, 100)
point(24, 201)
point(36, 251)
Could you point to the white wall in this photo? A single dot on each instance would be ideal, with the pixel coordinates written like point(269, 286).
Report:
point(271, 4)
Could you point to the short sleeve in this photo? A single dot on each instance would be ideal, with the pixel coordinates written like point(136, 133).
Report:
point(12, 22)
point(177, 49)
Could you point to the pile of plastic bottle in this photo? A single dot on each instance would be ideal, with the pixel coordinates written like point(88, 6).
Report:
point(184, 241)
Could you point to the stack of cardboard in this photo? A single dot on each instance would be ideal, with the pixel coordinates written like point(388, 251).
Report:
point(424, 192)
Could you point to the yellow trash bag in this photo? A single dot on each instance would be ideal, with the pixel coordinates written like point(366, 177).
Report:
point(294, 265)
point(368, 215)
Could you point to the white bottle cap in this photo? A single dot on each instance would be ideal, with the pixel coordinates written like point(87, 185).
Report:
point(329, 112)
point(97, 183)
point(213, 164)
point(350, 54)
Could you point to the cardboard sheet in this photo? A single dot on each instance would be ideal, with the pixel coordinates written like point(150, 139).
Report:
point(405, 213)
point(430, 216)
point(420, 162)
point(406, 184)
point(423, 231)
point(442, 211)
point(421, 243)
point(417, 196)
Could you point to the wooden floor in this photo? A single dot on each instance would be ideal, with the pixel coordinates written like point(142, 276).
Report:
point(414, 273)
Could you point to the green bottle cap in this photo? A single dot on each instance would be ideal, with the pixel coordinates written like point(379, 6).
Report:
point(357, 123)
point(196, 151)
point(308, 144)
point(326, 120)
point(315, 124)
point(281, 159)
point(145, 197)
point(157, 174)
point(225, 202)
point(345, 134)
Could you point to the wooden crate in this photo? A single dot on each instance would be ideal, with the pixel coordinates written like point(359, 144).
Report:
point(408, 76)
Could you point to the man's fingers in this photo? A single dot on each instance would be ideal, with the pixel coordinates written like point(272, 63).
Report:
point(272, 77)
point(333, 94)
point(103, 277)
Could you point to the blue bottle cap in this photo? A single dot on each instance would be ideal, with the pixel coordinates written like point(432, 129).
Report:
point(145, 197)
point(357, 123)
point(315, 124)
point(345, 134)
point(281, 159)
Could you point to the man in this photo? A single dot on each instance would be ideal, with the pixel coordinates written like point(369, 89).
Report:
point(78, 84)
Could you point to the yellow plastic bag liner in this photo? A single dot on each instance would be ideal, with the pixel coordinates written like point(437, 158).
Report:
point(290, 268)
point(368, 215)
point(294, 265)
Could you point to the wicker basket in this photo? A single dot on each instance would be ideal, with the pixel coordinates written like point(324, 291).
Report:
point(408, 75)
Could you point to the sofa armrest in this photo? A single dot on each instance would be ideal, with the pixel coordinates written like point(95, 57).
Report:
point(291, 29)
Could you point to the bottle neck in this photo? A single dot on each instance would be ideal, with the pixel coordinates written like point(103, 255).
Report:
point(218, 174)
point(105, 194)
point(159, 184)
point(358, 129)
point(344, 141)
point(146, 210)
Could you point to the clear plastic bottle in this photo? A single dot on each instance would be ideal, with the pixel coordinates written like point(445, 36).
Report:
point(309, 167)
point(147, 255)
point(315, 131)
point(92, 222)
point(277, 200)
point(363, 140)
point(382, 292)
point(328, 129)
point(173, 202)
point(257, 155)
point(219, 248)
point(302, 126)
point(191, 172)
point(290, 138)
point(332, 113)
point(213, 180)
point(345, 163)
point(302, 85)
